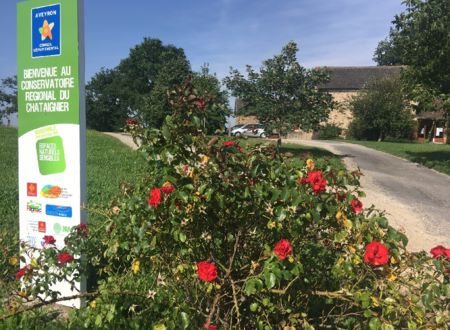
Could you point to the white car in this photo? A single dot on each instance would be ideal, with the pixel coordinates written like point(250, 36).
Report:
point(251, 130)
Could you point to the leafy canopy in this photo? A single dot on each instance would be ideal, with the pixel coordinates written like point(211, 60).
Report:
point(420, 39)
point(8, 96)
point(380, 110)
point(283, 95)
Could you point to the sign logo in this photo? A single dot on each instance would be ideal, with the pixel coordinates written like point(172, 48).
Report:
point(46, 31)
point(31, 189)
point(34, 207)
point(41, 227)
point(58, 211)
point(58, 229)
point(49, 191)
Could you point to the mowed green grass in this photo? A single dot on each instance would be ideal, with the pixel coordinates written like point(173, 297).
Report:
point(435, 156)
point(109, 162)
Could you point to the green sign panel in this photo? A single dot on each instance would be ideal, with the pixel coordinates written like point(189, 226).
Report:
point(50, 78)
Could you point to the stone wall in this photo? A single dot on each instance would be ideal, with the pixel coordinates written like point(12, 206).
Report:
point(341, 116)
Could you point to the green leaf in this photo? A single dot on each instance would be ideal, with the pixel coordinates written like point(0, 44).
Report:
point(184, 320)
point(182, 237)
point(270, 280)
point(252, 286)
point(374, 323)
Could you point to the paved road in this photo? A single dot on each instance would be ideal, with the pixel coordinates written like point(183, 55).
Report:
point(416, 196)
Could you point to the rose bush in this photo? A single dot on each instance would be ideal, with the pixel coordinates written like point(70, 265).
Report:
point(221, 236)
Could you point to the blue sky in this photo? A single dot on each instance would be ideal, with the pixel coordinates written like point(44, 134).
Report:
point(225, 33)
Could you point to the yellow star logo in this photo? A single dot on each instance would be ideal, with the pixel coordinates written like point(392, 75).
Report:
point(46, 30)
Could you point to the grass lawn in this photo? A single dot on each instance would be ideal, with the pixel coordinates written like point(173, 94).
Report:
point(435, 156)
point(109, 162)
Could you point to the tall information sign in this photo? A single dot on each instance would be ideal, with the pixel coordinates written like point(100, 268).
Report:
point(51, 105)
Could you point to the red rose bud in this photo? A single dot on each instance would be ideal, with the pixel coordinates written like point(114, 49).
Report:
point(64, 258)
point(131, 122)
point(356, 205)
point(209, 326)
point(167, 189)
point(155, 197)
point(201, 103)
point(48, 239)
point(440, 251)
point(22, 271)
point(376, 254)
point(283, 249)
point(206, 271)
point(82, 230)
point(229, 144)
point(303, 180)
point(239, 148)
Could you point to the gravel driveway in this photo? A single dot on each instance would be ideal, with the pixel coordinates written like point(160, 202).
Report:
point(416, 199)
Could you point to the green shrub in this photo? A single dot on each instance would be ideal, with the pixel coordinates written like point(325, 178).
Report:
point(218, 235)
point(381, 110)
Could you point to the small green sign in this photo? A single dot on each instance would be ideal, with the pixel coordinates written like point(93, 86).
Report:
point(50, 153)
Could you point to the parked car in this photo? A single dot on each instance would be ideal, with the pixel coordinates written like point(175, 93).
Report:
point(250, 130)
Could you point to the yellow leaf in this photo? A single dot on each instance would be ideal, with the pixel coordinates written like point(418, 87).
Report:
point(352, 249)
point(348, 224)
point(13, 261)
point(159, 327)
point(310, 164)
point(356, 260)
point(204, 159)
point(271, 224)
point(394, 260)
point(93, 304)
point(338, 215)
point(135, 266)
point(291, 259)
point(34, 263)
point(391, 277)
point(375, 301)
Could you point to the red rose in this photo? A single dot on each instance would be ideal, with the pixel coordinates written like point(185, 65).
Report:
point(201, 103)
point(439, 251)
point(167, 189)
point(229, 143)
point(356, 204)
point(64, 257)
point(318, 183)
point(22, 271)
point(131, 122)
point(155, 197)
point(206, 271)
point(376, 254)
point(282, 249)
point(82, 230)
point(48, 239)
point(209, 326)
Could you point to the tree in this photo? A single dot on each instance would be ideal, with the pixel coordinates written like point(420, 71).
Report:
point(103, 95)
point(8, 97)
point(420, 40)
point(217, 108)
point(146, 74)
point(137, 86)
point(283, 95)
point(380, 111)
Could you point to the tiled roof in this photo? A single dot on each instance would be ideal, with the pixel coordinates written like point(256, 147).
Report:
point(355, 77)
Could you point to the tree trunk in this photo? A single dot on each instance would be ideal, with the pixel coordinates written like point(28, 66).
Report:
point(380, 137)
